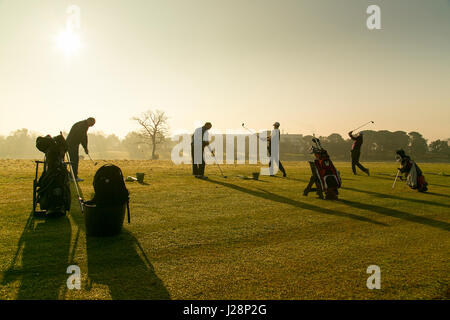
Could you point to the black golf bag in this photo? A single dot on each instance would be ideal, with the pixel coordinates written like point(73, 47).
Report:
point(110, 189)
point(414, 176)
point(324, 175)
point(52, 190)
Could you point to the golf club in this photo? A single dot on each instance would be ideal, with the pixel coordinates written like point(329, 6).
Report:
point(214, 155)
point(393, 185)
point(251, 131)
point(243, 126)
point(363, 125)
point(95, 163)
point(80, 199)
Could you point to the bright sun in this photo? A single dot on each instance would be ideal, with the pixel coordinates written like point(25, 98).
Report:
point(68, 42)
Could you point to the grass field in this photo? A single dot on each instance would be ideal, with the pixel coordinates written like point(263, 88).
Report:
point(233, 238)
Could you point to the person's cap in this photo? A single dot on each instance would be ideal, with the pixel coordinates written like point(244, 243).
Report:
point(276, 124)
point(208, 124)
point(90, 119)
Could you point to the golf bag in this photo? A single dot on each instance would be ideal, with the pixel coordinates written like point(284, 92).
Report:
point(52, 190)
point(109, 187)
point(324, 175)
point(414, 177)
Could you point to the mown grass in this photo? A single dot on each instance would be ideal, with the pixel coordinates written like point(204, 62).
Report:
point(233, 238)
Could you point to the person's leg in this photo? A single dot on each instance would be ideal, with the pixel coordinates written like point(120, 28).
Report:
point(282, 169)
point(270, 161)
point(201, 170)
point(360, 166)
point(354, 161)
point(280, 166)
point(73, 153)
point(194, 165)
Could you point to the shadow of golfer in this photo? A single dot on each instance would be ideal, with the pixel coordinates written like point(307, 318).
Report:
point(391, 178)
point(44, 250)
point(389, 196)
point(121, 264)
point(439, 185)
point(398, 214)
point(438, 194)
point(302, 205)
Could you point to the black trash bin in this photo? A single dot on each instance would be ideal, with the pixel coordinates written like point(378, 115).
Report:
point(103, 221)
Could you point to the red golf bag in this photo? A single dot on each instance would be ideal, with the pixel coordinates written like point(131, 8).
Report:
point(324, 174)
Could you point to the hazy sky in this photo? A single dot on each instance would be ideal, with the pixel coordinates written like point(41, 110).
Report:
point(311, 65)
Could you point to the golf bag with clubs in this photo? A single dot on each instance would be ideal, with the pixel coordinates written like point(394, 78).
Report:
point(324, 174)
point(52, 190)
point(414, 176)
point(110, 189)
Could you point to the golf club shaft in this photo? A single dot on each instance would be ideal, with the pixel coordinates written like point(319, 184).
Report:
point(80, 199)
point(363, 125)
point(251, 131)
point(214, 155)
point(393, 185)
point(243, 126)
point(95, 163)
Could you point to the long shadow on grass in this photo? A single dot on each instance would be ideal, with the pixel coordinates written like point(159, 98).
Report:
point(44, 248)
point(392, 177)
point(277, 198)
point(389, 196)
point(120, 263)
point(438, 194)
point(398, 214)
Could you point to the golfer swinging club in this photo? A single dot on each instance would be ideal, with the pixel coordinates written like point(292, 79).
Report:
point(356, 152)
point(200, 140)
point(77, 136)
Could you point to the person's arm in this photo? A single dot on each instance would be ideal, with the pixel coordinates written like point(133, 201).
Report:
point(206, 138)
point(84, 141)
point(350, 134)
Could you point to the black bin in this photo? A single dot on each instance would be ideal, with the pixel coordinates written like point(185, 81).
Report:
point(103, 221)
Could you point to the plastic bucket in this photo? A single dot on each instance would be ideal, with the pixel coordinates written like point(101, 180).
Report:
point(140, 177)
point(103, 221)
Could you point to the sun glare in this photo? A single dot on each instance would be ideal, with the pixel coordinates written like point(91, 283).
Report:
point(68, 42)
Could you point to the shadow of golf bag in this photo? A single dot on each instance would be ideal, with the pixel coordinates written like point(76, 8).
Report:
point(414, 176)
point(106, 211)
point(324, 176)
point(52, 190)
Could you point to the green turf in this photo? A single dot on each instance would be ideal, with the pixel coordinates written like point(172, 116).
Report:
point(233, 238)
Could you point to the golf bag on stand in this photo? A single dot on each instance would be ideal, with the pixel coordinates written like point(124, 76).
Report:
point(52, 190)
point(324, 175)
point(414, 177)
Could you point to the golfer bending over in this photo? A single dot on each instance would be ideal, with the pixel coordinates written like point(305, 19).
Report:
point(356, 152)
point(77, 136)
point(200, 140)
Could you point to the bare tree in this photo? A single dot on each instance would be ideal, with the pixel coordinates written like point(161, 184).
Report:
point(154, 128)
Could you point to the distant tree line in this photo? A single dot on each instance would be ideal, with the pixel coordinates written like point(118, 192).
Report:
point(378, 146)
